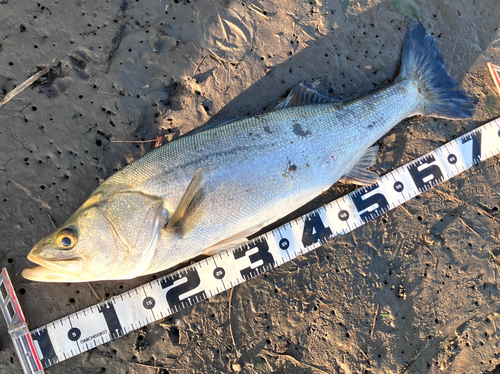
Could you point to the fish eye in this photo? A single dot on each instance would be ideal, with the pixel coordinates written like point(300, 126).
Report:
point(66, 241)
point(67, 238)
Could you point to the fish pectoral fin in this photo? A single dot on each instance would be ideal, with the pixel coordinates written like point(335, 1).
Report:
point(180, 217)
point(358, 174)
point(235, 240)
point(303, 94)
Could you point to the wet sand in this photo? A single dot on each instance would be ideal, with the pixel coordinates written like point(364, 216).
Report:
point(414, 291)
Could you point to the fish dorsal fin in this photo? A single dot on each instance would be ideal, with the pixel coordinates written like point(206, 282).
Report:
point(358, 174)
point(212, 125)
point(303, 94)
point(178, 220)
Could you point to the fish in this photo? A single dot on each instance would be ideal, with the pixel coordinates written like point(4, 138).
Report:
point(210, 190)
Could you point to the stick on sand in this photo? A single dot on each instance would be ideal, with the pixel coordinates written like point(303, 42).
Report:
point(16, 91)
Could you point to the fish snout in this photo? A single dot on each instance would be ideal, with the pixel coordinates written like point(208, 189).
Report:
point(54, 261)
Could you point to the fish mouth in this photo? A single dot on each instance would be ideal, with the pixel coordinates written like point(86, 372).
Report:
point(54, 270)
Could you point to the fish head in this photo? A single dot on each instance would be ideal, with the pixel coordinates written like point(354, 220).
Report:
point(114, 238)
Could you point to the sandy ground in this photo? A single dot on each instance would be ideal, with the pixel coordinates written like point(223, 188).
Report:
point(132, 71)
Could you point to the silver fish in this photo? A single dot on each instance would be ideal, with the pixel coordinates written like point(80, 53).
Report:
point(210, 190)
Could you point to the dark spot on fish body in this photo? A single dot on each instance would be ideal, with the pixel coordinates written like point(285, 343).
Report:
point(403, 90)
point(297, 130)
point(292, 168)
point(267, 129)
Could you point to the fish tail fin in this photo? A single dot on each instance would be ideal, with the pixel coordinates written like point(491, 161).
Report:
point(422, 63)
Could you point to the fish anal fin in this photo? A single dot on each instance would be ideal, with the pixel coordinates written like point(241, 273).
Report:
point(358, 174)
point(177, 222)
point(303, 94)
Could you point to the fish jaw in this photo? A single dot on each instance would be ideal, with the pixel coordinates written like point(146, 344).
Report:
point(52, 266)
point(68, 270)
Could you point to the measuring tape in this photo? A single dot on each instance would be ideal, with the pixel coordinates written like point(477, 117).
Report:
point(98, 324)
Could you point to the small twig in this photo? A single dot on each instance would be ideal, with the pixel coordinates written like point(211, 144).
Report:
point(374, 320)
point(363, 353)
point(117, 41)
point(230, 327)
point(284, 355)
point(195, 47)
point(222, 25)
point(314, 40)
point(466, 225)
point(16, 91)
point(52, 221)
point(221, 60)
point(28, 192)
point(406, 210)
point(95, 292)
point(24, 107)
point(216, 58)
point(158, 367)
point(410, 157)
point(198, 66)
point(197, 354)
point(133, 141)
point(258, 10)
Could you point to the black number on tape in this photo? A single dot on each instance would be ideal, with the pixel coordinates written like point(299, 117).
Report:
point(48, 354)
point(74, 334)
point(174, 294)
point(261, 255)
point(424, 174)
point(108, 311)
point(315, 230)
point(476, 145)
point(371, 206)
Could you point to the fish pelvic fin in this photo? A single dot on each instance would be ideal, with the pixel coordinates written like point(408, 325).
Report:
point(421, 62)
point(178, 222)
point(358, 174)
point(236, 240)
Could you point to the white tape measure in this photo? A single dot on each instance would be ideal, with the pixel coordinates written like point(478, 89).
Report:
point(98, 324)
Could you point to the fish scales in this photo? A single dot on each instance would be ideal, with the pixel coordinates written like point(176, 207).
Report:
point(254, 176)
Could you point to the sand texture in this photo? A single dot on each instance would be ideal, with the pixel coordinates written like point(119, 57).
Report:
point(415, 291)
